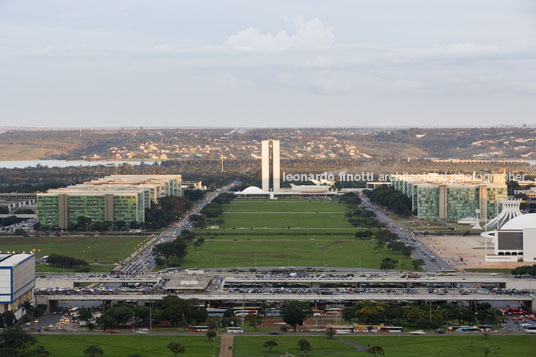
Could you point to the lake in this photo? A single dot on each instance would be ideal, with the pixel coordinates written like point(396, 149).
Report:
point(64, 163)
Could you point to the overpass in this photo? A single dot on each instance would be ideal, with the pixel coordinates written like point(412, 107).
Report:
point(453, 280)
point(70, 282)
point(528, 299)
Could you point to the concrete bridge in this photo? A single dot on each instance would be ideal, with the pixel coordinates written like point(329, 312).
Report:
point(528, 299)
point(68, 282)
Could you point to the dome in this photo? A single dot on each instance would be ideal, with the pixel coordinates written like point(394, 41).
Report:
point(524, 221)
point(253, 190)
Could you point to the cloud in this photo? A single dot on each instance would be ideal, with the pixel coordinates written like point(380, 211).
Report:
point(309, 35)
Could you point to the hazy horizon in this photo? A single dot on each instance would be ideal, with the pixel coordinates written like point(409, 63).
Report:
point(238, 64)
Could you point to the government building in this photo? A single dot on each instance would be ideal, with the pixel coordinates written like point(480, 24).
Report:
point(111, 198)
point(452, 197)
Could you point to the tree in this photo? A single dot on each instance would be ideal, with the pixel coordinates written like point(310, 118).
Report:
point(388, 263)
point(330, 333)
point(304, 345)
point(15, 338)
point(270, 344)
point(176, 348)
point(8, 319)
point(93, 351)
point(375, 350)
point(417, 263)
point(348, 313)
point(40, 351)
point(28, 308)
point(253, 321)
point(295, 312)
point(40, 310)
point(211, 334)
point(85, 315)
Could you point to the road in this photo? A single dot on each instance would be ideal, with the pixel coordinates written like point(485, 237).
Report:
point(420, 251)
point(144, 262)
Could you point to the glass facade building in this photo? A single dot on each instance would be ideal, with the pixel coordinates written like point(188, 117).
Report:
point(112, 198)
point(445, 197)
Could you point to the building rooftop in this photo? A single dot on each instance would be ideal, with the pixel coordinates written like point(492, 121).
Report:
point(520, 222)
point(10, 260)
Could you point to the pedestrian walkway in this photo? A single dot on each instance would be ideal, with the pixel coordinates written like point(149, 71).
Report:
point(226, 345)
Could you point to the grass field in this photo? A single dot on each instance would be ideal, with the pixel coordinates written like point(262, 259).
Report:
point(311, 233)
point(121, 346)
point(314, 251)
point(253, 345)
point(448, 346)
point(284, 214)
point(101, 251)
point(395, 346)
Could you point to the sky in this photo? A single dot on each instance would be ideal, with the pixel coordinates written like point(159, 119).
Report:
point(277, 63)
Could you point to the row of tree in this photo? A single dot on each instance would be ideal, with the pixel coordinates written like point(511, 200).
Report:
point(356, 215)
point(393, 199)
point(419, 315)
point(528, 269)
point(171, 311)
point(62, 261)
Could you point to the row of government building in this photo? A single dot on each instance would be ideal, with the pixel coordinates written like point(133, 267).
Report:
point(452, 197)
point(111, 198)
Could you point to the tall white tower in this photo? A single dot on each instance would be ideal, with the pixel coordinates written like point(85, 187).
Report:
point(276, 167)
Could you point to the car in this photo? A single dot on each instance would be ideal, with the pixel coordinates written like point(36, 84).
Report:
point(50, 326)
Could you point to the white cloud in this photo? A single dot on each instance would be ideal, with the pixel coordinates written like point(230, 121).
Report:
point(309, 35)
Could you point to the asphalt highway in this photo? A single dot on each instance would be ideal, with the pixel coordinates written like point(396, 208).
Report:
point(144, 262)
point(420, 252)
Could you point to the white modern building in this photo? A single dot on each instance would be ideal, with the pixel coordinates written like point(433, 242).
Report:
point(271, 158)
point(271, 172)
point(17, 281)
point(515, 241)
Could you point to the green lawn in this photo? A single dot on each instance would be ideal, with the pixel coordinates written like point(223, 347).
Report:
point(395, 346)
point(284, 206)
point(449, 346)
point(253, 345)
point(311, 233)
point(284, 214)
point(101, 251)
point(123, 345)
point(313, 250)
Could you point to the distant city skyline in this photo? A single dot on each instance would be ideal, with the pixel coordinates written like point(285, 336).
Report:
point(226, 64)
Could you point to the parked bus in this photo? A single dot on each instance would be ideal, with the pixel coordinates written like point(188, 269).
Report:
point(214, 312)
point(390, 329)
point(235, 330)
point(197, 328)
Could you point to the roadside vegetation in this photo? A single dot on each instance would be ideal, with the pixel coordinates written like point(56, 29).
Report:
point(392, 199)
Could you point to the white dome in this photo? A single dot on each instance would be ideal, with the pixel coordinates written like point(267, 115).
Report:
point(524, 221)
point(253, 190)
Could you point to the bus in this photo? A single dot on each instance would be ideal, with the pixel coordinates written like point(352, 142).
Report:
point(197, 328)
point(333, 311)
point(390, 329)
point(464, 329)
point(214, 312)
point(530, 329)
point(235, 330)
